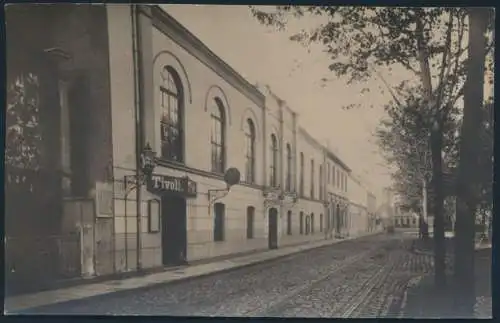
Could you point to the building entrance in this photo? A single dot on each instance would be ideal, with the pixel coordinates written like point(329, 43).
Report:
point(174, 230)
point(273, 228)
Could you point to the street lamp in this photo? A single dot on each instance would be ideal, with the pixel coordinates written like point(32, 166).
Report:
point(144, 171)
point(145, 167)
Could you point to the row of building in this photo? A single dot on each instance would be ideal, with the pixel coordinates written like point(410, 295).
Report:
point(91, 87)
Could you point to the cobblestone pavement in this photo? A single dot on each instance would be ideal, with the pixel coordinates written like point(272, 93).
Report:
point(357, 278)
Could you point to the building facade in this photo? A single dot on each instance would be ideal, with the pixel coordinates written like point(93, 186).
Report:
point(58, 143)
point(337, 194)
point(149, 83)
point(358, 210)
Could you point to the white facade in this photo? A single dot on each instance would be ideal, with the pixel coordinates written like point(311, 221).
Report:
point(150, 51)
point(358, 209)
point(302, 220)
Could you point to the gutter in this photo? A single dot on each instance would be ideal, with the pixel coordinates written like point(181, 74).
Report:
point(138, 128)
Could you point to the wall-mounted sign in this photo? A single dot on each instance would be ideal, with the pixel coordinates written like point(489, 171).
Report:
point(162, 184)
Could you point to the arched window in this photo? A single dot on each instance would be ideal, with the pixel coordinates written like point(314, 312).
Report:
point(312, 179)
point(301, 174)
point(217, 136)
point(172, 104)
point(274, 161)
point(288, 185)
point(249, 151)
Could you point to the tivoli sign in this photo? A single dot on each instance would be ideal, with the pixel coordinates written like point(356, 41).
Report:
point(162, 184)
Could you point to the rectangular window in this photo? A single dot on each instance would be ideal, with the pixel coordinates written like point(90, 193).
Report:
point(321, 223)
point(312, 179)
point(289, 223)
point(333, 175)
point(250, 221)
point(219, 219)
point(320, 182)
point(301, 174)
point(301, 224)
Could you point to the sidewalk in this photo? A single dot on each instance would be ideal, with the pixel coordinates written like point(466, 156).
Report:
point(423, 300)
point(23, 302)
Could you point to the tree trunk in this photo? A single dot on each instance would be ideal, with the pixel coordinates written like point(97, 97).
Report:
point(424, 223)
point(437, 182)
point(469, 151)
point(436, 143)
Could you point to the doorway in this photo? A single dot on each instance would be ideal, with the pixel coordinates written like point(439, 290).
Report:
point(174, 230)
point(273, 228)
point(337, 220)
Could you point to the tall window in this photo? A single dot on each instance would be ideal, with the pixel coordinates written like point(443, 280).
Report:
point(250, 152)
point(288, 185)
point(321, 223)
point(171, 115)
point(289, 223)
point(320, 182)
point(217, 137)
point(312, 179)
point(250, 221)
point(345, 185)
point(338, 179)
point(274, 162)
point(328, 178)
point(301, 224)
point(301, 174)
point(312, 222)
point(333, 175)
point(219, 219)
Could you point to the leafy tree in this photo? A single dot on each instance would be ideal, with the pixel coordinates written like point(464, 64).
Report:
point(428, 42)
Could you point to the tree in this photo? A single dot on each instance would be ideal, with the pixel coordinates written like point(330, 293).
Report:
point(468, 186)
point(403, 139)
point(428, 42)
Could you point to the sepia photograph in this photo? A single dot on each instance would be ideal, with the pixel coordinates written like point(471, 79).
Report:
point(275, 161)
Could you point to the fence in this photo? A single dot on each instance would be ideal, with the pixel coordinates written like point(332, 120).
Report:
point(38, 262)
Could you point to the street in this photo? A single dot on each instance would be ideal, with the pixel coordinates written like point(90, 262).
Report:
point(357, 278)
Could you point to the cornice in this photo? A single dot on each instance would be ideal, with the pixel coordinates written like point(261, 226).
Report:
point(184, 38)
point(200, 172)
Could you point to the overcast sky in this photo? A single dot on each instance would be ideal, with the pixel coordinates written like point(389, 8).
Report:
point(263, 55)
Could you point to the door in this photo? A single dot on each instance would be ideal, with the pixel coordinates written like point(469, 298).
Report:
point(273, 228)
point(174, 230)
point(337, 220)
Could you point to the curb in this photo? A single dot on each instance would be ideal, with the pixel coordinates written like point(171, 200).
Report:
point(27, 310)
